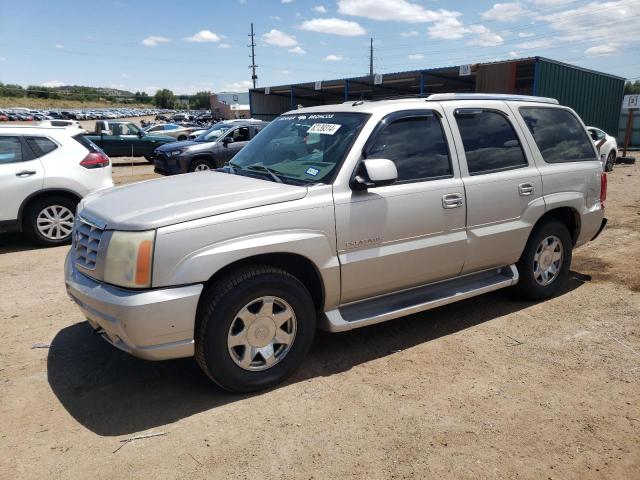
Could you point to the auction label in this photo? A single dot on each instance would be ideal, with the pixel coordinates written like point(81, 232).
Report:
point(324, 128)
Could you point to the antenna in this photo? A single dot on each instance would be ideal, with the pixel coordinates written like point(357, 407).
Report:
point(371, 58)
point(253, 65)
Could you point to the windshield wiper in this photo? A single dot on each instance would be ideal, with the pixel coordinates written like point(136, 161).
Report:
point(266, 169)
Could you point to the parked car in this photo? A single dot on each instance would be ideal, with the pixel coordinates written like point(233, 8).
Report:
point(63, 123)
point(123, 139)
point(379, 210)
point(4, 117)
point(44, 172)
point(171, 129)
point(212, 149)
point(606, 145)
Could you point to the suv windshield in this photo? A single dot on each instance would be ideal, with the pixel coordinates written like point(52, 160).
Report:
point(304, 148)
point(214, 132)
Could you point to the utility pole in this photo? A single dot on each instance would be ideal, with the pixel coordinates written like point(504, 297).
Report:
point(371, 58)
point(253, 65)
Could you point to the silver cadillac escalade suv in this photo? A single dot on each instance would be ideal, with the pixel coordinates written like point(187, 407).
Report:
point(338, 217)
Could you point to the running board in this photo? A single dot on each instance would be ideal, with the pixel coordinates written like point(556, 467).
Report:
point(406, 302)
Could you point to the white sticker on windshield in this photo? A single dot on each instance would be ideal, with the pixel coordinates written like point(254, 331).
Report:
point(324, 128)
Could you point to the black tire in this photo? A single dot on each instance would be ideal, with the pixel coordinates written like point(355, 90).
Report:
point(201, 162)
point(219, 305)
point(610, 162)
point(182, 138)
point(34, 210)
point(527, 285)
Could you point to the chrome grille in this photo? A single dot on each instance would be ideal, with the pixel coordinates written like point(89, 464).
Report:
point(86, 240)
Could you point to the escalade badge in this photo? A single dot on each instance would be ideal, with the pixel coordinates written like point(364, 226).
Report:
point(362, 243)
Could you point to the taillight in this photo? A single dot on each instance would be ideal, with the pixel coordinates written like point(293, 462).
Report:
point(95, 160)
point(603, 189)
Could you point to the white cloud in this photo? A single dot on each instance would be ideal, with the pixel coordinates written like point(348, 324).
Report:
point(274, 17)
point(287, 1)
point(415, 56)
point(154, 40)
point(449, 28)
point(241, 86)
point(3, 59)
point(224, 45)
point(484, 37)
point(125, 75)
point(525, 34)
point(298, 49)
point(594, 21)
point(535, 44)
point(395, 10)
point(334, 58)
point(59, 45)
point(320, 9)
point(551, 3)
point(600, 50)
point(412, 33)
point(285, 72)
point(53, 83)
point(514, 54)
point(506, 12)
point(333, 26)
point(279, 39)
point(203, 36)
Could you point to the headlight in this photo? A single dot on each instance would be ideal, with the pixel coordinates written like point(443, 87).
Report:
point(174, 153)
point(129, 259)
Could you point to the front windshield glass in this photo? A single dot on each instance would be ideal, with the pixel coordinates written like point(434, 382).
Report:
point(214, 133)
point(305, 148)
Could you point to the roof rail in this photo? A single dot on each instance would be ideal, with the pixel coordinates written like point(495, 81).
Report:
point(439, 97)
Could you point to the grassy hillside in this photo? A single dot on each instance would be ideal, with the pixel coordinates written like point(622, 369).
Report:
point(52, 104)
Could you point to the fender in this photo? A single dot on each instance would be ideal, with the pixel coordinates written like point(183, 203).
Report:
point(43, 192)
point(200, 265)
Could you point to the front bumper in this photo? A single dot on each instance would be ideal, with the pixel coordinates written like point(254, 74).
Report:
point(166, 165)
point(151, 324)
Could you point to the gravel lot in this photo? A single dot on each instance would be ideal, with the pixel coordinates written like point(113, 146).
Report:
point(492, 387)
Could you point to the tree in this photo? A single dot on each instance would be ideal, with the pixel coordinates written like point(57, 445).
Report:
point(164, 98)
point(200, 101)
point(632, 88)
point(142, 97)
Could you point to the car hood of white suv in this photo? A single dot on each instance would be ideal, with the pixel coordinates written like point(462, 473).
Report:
point(170, 200)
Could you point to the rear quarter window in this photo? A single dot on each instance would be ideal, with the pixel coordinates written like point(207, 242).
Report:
point(559, 135)
point(88, 144)
point(40, 146)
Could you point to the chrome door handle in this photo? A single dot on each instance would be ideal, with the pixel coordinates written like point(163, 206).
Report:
point(25, 173)
point(452, 200)
point(526, 189)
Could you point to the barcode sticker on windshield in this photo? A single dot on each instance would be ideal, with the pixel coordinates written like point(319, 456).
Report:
point(324, 128)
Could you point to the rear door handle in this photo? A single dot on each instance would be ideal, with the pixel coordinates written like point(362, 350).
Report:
point(526, 189)
point(25, 173)
point(452, 200)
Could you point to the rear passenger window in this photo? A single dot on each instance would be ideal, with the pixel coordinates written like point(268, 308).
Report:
point(490, 142)
point(40, 146)
point(559, 135)
point(416, 145)
point(10, 150)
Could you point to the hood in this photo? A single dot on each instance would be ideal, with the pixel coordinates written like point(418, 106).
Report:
point(169, 200)
point(190, 144)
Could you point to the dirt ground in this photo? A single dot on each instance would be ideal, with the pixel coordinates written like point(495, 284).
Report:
point(492, 387)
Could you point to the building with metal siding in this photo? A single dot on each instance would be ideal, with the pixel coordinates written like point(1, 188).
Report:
point(596, 96)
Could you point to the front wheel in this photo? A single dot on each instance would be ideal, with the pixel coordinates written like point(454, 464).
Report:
point(544, 264)
point(201, 165)
point(611, 161)
point(149, 158)
point(254, 328)
point(49, 220)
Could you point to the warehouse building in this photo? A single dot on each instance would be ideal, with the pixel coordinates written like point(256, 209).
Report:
point(596, 96)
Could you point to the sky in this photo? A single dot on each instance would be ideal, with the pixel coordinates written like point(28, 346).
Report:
point(200, 45)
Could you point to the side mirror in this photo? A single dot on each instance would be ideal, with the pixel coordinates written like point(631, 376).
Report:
point(227, 140)
point(106, 132)
point(140, 134)
point(376, 172)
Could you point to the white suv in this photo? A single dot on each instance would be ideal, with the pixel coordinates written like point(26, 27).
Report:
point(44, 172)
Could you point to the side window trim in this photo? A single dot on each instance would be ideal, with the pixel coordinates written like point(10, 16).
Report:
point(404, 115)
point(516, 133)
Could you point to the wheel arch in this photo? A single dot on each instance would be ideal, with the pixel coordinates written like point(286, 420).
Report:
point(204, 156)
point(47, 192)
point(295, 264)
point(569, 216)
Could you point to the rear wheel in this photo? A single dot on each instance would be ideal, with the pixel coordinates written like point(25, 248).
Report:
point(611, 161)
point(49, 220)
point(544, 264)
point(201, 165)
point(254, 328)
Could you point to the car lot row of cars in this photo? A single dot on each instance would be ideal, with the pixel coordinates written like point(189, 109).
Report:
point(26, 114)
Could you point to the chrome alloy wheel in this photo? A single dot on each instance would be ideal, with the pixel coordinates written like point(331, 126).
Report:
point(201, 167)
point(55, 222)
point(262, 333)
point(547, 261)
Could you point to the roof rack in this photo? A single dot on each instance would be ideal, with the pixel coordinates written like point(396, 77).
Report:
point(439, 97)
